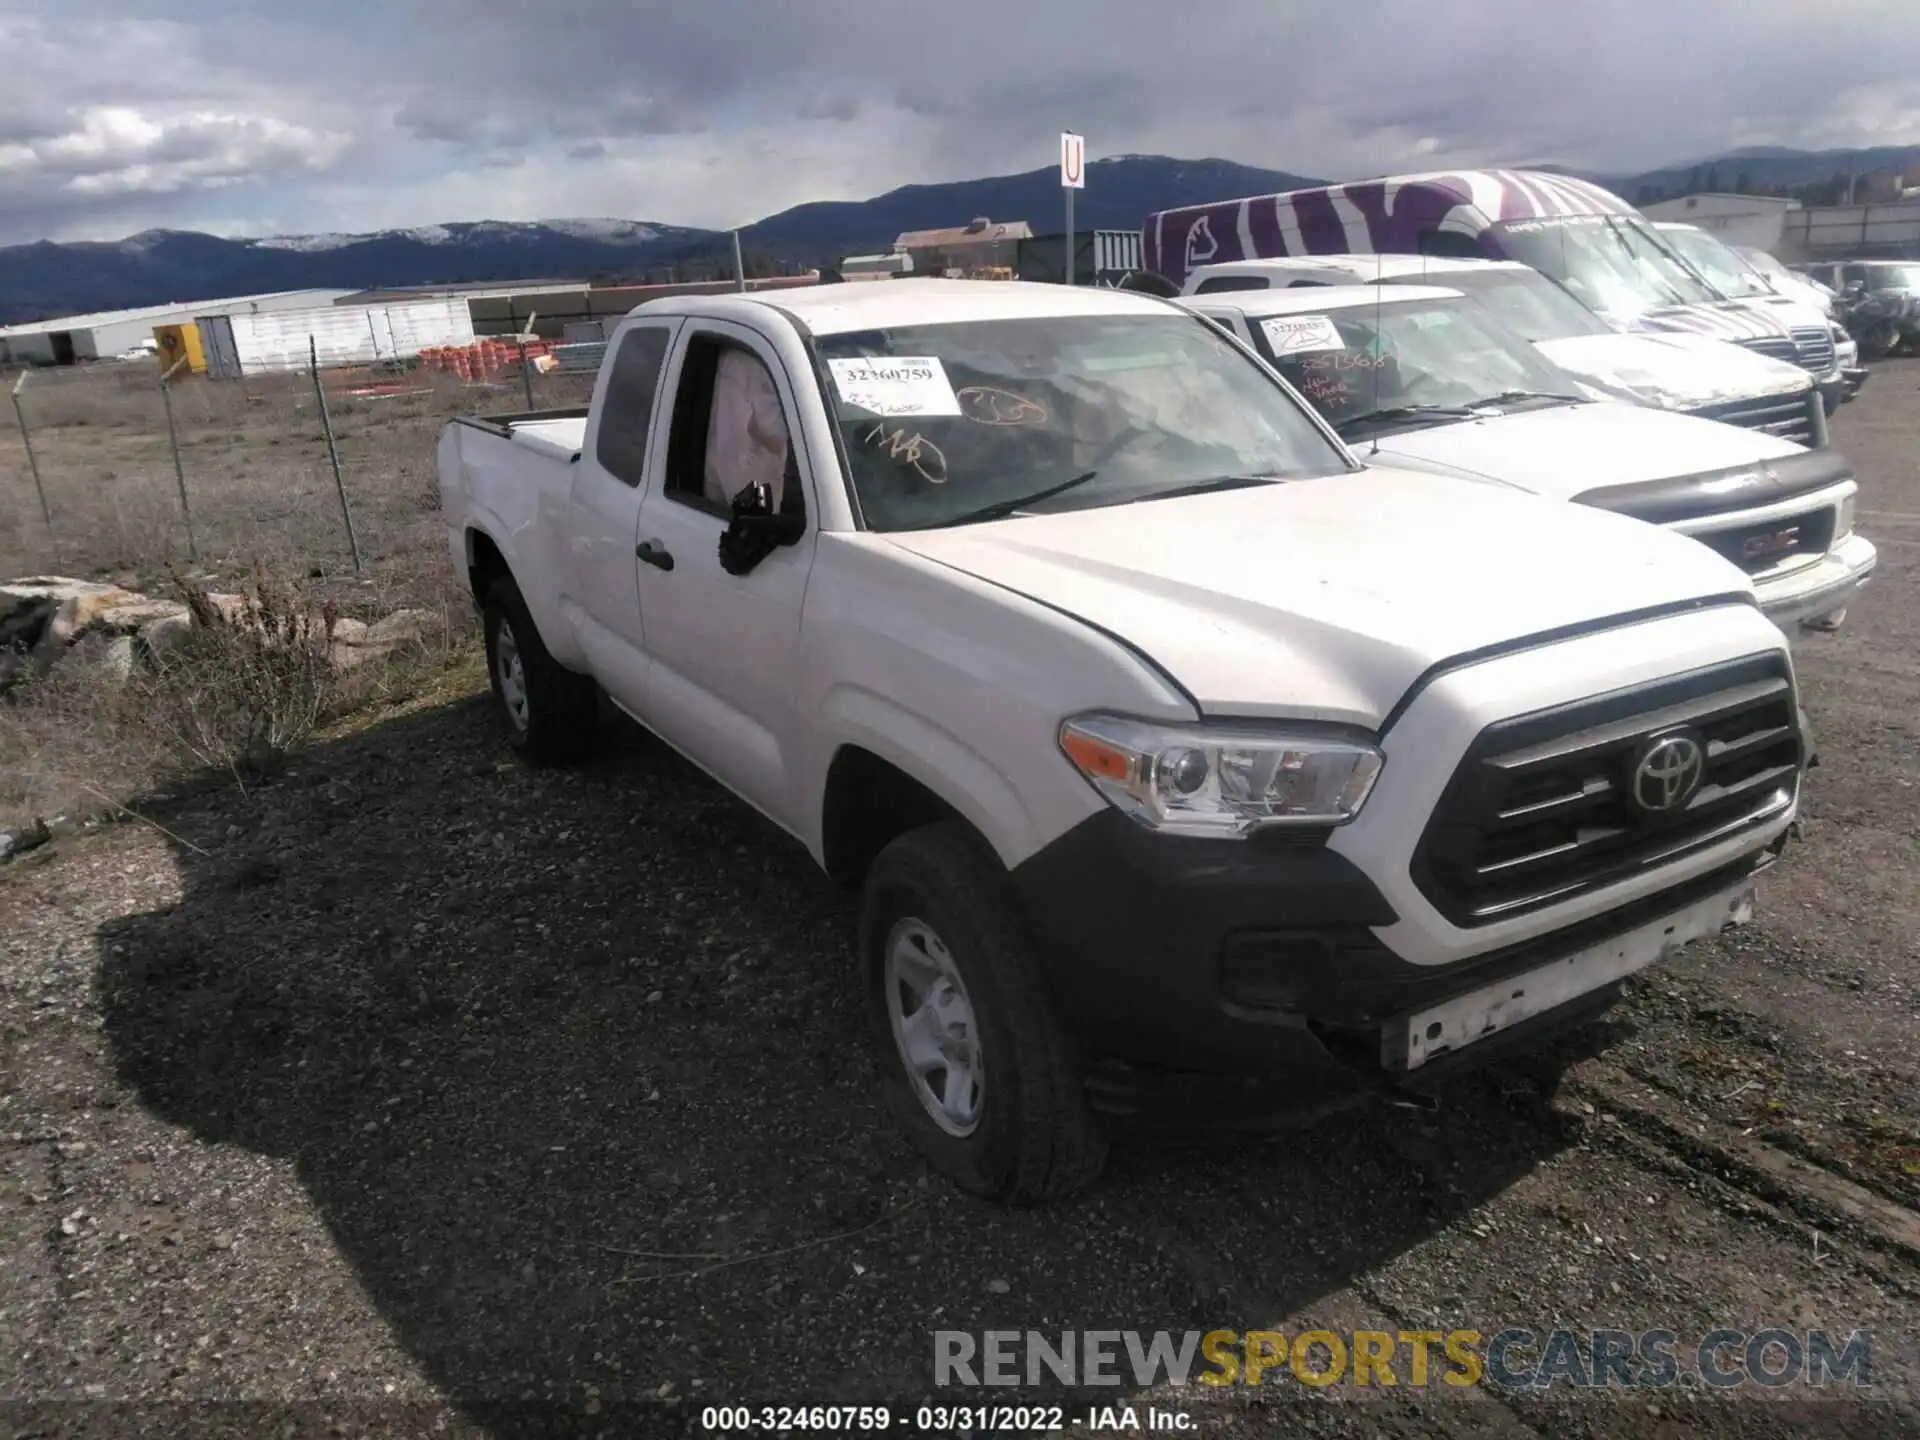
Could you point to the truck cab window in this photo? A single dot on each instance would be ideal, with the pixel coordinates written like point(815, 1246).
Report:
point(1450, 243)
point(1218, 284)
point(626, 408)
point(730, 431)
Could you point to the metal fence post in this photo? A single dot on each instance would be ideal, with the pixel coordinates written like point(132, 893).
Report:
point(333, 450)
point(33, 464)
point(173, 444)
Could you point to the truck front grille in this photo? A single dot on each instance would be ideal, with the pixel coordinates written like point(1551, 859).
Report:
point(1774, 347)
point(1813, 348)
point(1550, 806)
point(1791, 417)
point(1772, 544)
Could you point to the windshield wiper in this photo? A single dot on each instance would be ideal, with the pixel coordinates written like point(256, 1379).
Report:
point(1000, 509)
point(1513, 397)
point(1387, 415)
point(1208, 487)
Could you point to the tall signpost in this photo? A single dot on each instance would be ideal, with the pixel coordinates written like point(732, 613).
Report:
point(1073, 176)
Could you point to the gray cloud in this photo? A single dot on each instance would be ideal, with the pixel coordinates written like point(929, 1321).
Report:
point(335, 113)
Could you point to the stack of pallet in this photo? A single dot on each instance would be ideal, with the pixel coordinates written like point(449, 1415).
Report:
point(484, 359)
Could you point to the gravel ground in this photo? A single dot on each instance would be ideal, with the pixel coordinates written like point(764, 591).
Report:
point(418, 1092)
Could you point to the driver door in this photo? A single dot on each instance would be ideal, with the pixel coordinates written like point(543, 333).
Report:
point(722, 648)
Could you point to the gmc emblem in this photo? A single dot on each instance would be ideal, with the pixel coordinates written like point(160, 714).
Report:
point(1776, 543)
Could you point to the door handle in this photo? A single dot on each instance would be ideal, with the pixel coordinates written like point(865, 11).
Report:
point(654, 553)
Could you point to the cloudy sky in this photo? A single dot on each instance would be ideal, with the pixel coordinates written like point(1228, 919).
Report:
point(315, 115)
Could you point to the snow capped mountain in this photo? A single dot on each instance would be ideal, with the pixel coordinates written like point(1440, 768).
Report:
point(600, 231)
point(305, 244)
point(166, 265)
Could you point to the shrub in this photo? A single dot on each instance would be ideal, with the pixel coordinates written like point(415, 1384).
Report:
point(247, 682)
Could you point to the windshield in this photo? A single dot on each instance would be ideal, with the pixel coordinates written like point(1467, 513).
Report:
point(1419, 362)
point(1718, 265)
point(1525, 301)
point(944, 424)
point(1613, 264)
point(1892, 277)
point(1768, 266)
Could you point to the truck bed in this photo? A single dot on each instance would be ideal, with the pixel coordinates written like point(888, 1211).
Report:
point(556, 434)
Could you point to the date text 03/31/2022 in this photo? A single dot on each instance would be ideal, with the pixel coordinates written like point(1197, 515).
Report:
point(942, 1419)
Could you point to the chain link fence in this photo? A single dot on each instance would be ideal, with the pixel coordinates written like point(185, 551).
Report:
point(115, 470)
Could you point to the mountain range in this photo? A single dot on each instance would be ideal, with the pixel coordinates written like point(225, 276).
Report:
point(163, 266)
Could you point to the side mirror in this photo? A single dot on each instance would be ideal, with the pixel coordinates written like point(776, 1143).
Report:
point(754, 531)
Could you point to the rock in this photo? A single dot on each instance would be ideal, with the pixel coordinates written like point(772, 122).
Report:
point(79, 613)
point(354, 643)
point(398, 628)
point(998, 1287)
point(24, 619)
point(18, 842)
point(106, 656)
point(137, 615)
point(158, 637)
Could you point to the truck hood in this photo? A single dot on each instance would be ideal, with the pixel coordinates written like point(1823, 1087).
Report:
point(1326, 599)
point(1672, 372)
point(1722, 319)
point(1574, 450)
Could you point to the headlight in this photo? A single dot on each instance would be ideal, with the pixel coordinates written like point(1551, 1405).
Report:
point(1219, 779)
point(1843, 518)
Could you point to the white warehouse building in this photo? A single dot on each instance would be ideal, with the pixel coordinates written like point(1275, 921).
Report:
point(113, 332)
point(1757, 220)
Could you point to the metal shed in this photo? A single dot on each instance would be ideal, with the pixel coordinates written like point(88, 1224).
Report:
point(100, 336)
point(247, 343)
point(1100, 257)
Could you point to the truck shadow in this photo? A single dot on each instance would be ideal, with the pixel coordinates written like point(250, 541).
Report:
point(540, 1044)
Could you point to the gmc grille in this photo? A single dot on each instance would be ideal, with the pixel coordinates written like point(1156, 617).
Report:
point(1813, 348)
point(1539, 810)
point(1772, 543)
point(1790, 417)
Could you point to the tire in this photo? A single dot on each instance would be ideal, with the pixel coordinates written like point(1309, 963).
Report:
point(1879, 342)
point(549, 713)
point(1031, 1137)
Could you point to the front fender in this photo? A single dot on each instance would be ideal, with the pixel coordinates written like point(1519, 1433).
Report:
point(939, 760)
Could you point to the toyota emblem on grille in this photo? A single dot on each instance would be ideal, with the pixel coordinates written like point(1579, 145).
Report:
point(1667, 773)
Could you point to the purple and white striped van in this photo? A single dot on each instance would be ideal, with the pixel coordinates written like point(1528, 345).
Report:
point(1587, 240)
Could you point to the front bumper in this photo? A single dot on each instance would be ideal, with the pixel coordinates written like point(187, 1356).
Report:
point(1833, 388)
point(1222, 982)
point(1856, 377)
point(1818, 590)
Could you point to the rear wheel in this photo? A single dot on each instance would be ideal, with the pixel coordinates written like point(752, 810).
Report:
point(549, 711)
point(977, 1065)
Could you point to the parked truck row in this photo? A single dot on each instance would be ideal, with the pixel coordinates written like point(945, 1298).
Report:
point(1215, 686)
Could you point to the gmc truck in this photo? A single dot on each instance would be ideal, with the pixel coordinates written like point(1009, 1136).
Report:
point(1182, 762)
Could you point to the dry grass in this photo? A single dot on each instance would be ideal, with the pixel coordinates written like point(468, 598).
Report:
point(231, 700)
point(254, 459)
point(266, 516)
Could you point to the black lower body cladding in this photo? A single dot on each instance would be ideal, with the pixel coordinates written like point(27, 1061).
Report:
point(1177, 960)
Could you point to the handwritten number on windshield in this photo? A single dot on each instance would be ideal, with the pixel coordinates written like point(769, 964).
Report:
point(914, 449)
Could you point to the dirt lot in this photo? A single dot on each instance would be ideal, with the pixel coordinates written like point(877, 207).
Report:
point(420, 1092)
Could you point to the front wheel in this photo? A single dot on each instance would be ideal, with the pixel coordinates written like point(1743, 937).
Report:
point(1879, 341)
point(977, 1065)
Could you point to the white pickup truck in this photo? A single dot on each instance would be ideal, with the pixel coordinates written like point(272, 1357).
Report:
point(1164, 739)
point(1674, 370)
point(1423, 378)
